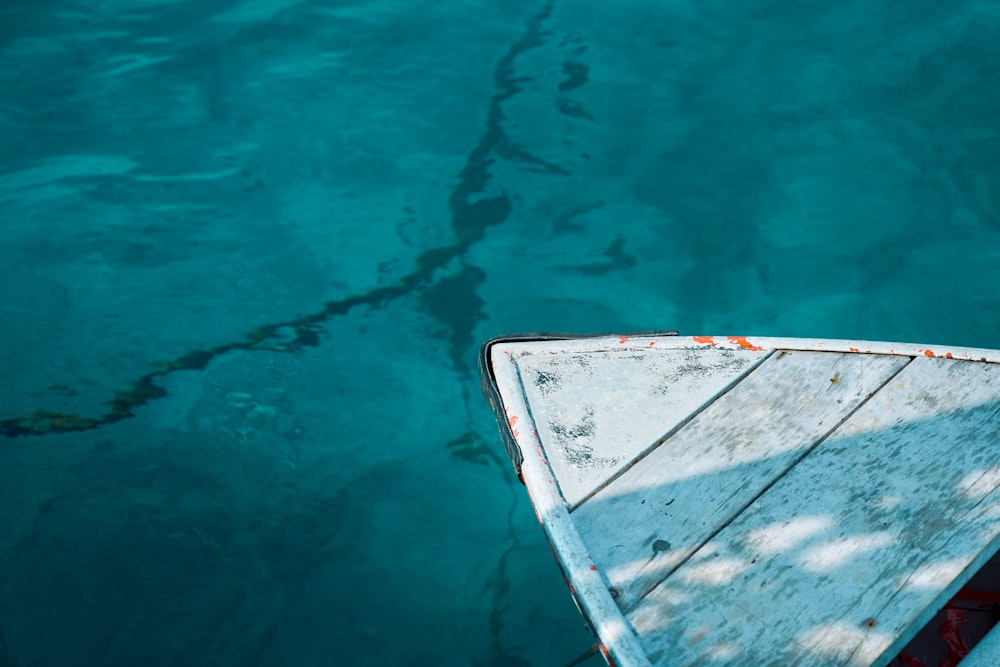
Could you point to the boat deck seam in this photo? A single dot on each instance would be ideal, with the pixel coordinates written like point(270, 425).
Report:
point(670, 433)
point(809, 450)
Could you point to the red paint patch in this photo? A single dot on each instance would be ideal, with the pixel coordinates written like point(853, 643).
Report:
point(708, 340)
point(972, 595)
point(623, 339)
point(948, 355)
point(652, 343)
point(952, 635)
point(982, 358)
point(743, 343)
point(594, 568)
point(512, 420)
point(853, 349)
point(929, 353)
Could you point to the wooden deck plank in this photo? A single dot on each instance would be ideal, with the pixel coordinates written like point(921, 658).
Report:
point(649, 520)
point(846, 556)
point(595, 411)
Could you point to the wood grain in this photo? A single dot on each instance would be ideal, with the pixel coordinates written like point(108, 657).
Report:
point(856, 547)
point(655, 516)
point(596, 411)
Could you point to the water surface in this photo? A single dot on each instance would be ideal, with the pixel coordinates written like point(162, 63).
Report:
point(249, 250)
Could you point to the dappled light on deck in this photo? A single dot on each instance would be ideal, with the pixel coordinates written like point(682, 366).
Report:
point(980, 483)
point(844, 644)
point(778, 538)
point(835, 553)
point(831, 574)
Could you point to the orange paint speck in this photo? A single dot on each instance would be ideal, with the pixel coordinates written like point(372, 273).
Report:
point(517, 434)
point(512, 420)
point(743, 343)
point(853, 349)
point(929, 353)
point(594, 568)
point(651, 343)
point(623, 339)
point(982, 358)
point(948, 355)
point(705, 339)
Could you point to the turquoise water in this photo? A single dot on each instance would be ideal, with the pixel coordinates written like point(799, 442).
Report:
point(248, 251)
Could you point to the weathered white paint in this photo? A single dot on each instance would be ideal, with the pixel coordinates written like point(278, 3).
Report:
point(856, 592)
point(642, 342)
point(883, 472)
point(595, 412)
point(587, 583)
point(648, 521)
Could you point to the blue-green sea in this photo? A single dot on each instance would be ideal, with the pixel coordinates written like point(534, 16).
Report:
point(249, 249)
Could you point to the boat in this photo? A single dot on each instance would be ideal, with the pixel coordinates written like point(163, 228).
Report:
point(735, 500)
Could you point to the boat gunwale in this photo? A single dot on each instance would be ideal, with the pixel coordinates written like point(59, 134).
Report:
point(647, 340)
point(615, 636)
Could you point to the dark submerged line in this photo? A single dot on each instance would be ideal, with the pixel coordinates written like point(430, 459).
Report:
point(470, 218)
point(472, 214)
point(450, 298)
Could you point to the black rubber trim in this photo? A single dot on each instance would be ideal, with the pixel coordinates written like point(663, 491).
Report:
point(489, 384)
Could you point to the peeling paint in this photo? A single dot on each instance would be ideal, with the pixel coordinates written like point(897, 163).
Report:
point(743, 343)
point(705, 340)
point(538, 450)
